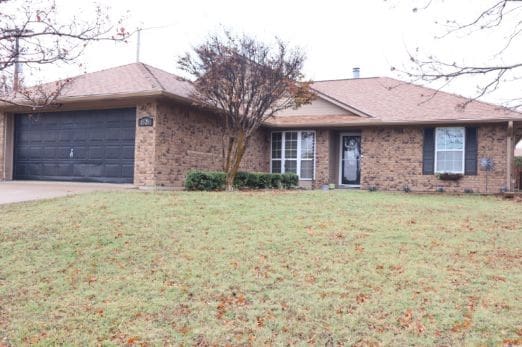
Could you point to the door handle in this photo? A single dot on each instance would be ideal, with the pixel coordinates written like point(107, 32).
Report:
point(71, 153)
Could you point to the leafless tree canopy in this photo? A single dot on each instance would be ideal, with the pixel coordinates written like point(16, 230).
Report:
point(248, 81)
point(497, 15)
point(34, 33)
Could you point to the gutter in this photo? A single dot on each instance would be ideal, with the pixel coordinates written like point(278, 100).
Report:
point(4, 148)
point(392, 123)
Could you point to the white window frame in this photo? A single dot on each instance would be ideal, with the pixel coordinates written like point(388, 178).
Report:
point(463, 129)
point(298, 159)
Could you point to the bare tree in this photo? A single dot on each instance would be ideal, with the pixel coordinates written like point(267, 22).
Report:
point(497, 15)
point(33, 34)
point(248, 82)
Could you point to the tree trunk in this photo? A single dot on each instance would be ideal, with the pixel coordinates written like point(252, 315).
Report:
point(235, 151)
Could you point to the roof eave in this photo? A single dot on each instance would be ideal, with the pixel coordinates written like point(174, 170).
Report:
point(65, 100)
point(391, 123)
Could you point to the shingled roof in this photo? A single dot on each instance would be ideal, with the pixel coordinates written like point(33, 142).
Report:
point(365, 101)
point(131, 80)
point(386, 100)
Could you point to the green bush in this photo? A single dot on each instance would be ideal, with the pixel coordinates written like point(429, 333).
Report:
point(199, 180)
point(276, 181)
point(209, 181)
point(289, 180)
point(241, 180)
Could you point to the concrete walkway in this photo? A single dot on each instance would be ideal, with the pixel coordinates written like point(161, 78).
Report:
point(18, 191)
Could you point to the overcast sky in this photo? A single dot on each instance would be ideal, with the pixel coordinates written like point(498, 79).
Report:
point(336, 35)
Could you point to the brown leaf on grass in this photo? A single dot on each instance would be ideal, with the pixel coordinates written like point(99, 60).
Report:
point(419, 327)
point(359, 248)
point(406, 318)
point(260, 322)
point(361, 298)
point(133, 340)
point(461, 326)
point(310, 279)
point(184, 330)
point(397, 268)
point(339, 235)
point(201, 341)
point(512, 342)
point(366, 343)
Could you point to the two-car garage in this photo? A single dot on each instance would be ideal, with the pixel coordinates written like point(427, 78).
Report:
point(88, 146)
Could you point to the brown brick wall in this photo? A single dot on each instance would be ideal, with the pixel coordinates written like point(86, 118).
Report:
point(323, 151)
point(184, 138)
point(144, 150)
point(392, 159)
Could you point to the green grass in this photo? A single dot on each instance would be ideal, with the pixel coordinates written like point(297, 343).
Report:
point(341, 267)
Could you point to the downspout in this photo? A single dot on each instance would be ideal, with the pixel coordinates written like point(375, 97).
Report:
point(4, 148)
point(510, 157)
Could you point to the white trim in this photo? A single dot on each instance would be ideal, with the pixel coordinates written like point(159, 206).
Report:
point(341, 184)
point(435, 170)
point(298, 155)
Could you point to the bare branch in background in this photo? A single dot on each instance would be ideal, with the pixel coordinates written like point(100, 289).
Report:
point(497, 15)
point(33, 34)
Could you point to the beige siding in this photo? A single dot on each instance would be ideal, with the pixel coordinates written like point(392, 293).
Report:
point(318, 107)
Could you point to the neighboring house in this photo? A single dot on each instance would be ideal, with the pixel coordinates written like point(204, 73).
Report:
point(137, 124)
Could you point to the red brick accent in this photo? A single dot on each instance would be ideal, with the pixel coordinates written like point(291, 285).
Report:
point(392, 159)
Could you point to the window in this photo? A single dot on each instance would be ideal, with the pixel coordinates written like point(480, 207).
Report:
point(293, 151)
point(449, 150)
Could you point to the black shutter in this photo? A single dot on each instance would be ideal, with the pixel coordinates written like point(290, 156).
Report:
point(471, 152)
point(428, 152)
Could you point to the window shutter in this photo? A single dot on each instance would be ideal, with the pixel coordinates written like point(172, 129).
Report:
point(428, 152)
point(471, 151)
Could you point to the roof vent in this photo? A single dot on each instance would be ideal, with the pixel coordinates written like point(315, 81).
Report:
point(356, 72)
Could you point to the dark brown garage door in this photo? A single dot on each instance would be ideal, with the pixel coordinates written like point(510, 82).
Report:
point(90, 146)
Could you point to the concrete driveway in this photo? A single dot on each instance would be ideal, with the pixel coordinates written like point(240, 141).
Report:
point(18, 191)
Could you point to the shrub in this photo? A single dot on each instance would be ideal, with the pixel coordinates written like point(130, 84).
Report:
point(264, 181)
point(276, 181)
point(241, 180)
point(209, 181)
point(199, 180)
point(289, 180)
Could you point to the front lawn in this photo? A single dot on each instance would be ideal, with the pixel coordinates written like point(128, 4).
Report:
point(341, 267)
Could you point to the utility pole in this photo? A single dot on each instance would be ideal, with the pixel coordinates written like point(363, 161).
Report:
point(17, 33)
point(16, 77)
point(138, 43)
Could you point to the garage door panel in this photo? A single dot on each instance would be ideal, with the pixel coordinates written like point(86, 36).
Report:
point(95, 146)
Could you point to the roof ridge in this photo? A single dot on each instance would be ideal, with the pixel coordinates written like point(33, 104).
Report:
point(347, 79)
point(167, 72)
point(151, 74)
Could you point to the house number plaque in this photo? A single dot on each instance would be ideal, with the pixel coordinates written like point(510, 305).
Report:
point(146, 121)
